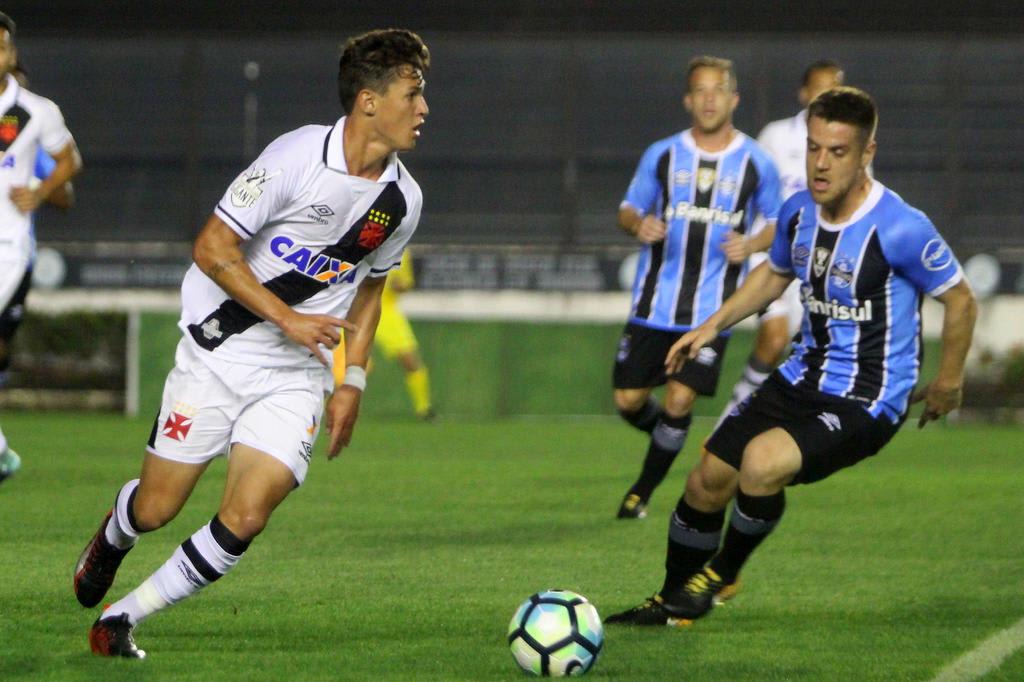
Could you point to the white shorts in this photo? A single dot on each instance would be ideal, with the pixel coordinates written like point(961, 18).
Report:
point(209, 405)
point(11, 274)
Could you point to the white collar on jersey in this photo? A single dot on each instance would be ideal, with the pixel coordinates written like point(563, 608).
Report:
point(10, 95)
point(334, 154)
point(874, 196)
point(687, 137)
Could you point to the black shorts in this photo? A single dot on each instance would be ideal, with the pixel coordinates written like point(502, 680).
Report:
point(832, 432)
point(640, 361)
point(10, 316)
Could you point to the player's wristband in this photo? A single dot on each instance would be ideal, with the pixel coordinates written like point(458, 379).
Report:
point(355, 376)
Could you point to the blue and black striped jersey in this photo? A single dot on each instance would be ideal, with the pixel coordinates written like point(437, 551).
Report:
point(861, 283)
point(701, 196)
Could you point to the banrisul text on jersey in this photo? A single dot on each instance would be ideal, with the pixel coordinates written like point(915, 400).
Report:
point(861, 283)
point(701, 196)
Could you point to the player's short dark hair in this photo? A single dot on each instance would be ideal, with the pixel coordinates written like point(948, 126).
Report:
point(708, 61)
point(8, 23)
point(374, 59)
point(847, 105)
point(820, 65)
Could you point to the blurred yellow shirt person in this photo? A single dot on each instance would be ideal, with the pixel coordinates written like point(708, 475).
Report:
point(396, 340)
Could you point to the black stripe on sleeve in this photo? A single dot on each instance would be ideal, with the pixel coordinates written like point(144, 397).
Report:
point(234, 220)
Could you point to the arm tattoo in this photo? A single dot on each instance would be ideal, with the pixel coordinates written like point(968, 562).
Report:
point(218, 268)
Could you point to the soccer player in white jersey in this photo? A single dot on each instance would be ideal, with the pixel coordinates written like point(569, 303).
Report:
point(298, 247)
point(785, 141)
point(28, 123)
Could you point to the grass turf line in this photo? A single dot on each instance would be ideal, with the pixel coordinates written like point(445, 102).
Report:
point(406, 558)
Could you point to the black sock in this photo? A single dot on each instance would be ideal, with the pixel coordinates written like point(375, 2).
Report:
point(752, 519)
point(693, 538)
point(645, 418)
point(667, 440)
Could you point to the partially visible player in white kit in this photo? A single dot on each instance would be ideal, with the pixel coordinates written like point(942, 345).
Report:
point(298, 247)
point(28, 123)
point(785, 141)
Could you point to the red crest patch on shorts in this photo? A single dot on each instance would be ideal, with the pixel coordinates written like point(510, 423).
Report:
point(177, 426)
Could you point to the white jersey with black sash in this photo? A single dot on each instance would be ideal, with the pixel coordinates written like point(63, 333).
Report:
point(312, 233)
point(28, 123)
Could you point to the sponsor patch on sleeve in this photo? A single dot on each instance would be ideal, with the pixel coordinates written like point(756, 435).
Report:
point(936, 255)
point(248, 188)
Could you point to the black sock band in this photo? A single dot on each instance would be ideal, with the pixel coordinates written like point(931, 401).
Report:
point(670, 432)
point(645, 418)
point(693, 538)
point(667, 439)
point(130, 510)
point(228, 541)
point(753, 518)
point(702, 522)
point(757, 514)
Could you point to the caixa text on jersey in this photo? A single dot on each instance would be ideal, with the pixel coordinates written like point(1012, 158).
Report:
point(318, 266)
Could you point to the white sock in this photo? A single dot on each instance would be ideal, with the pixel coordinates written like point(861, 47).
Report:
point(3, 442)
point(196, 563)
point(120, 532)
point(750, 381)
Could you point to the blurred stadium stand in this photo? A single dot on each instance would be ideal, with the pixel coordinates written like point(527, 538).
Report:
point(539, 111)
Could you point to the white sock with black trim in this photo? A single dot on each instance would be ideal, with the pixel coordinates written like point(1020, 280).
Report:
point(197, 562)
point(121, 531)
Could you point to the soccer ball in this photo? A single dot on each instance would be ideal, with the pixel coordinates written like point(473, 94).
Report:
point(556, 633)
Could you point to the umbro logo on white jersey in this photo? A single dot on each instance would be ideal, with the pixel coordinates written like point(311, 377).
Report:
point(320, 213)
point(831, 421)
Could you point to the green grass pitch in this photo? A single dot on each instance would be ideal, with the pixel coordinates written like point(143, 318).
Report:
point(405, 558)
